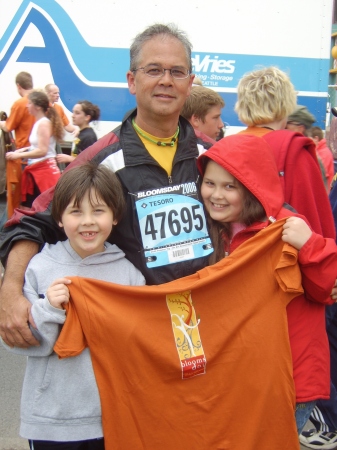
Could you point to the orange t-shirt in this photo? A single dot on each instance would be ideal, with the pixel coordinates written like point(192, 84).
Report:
point(256, 131)
point(199, 363)
point(21, 122)
point(62, 114)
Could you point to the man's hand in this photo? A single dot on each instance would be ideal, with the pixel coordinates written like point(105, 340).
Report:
point(14, 307)
point(296, 232)
point(15, 317)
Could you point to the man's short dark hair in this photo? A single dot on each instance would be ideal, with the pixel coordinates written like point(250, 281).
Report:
point(24, 80)
point(76, 182)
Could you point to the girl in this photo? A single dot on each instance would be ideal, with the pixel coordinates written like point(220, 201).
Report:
point(243, 195)
point(41, 172)
point(84, 112)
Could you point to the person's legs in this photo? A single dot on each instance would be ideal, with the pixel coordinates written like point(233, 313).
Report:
point(91, 444)
point(302, 414)
point(324, 415)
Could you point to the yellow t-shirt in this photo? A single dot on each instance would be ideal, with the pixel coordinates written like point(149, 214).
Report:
point(163, 155)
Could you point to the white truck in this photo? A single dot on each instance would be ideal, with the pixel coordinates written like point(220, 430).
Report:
point(83, 47)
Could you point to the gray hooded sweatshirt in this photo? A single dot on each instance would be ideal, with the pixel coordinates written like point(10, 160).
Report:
point(60, 400)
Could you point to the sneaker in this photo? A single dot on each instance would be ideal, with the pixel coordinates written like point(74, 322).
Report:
point(319, 439)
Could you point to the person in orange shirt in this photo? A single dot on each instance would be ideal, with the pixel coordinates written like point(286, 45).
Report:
point(243, 195)
point(21, 122)
point(53, 93)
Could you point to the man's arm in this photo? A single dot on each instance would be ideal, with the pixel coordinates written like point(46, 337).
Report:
point(14, 307)
point(71, 129)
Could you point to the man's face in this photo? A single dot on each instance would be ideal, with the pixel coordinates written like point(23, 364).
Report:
point(159, 99)
point(54, 94)
point(212, 123)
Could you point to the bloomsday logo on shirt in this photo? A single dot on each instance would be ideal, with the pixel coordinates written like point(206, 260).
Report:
point(186, 334)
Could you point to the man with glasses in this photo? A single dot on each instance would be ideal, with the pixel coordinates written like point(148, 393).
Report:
point(300, 120)
point(154, 153)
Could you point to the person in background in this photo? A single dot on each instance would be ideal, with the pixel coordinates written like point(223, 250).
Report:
point(324, 153)
point(41, 172)
point(243, 195)
point(53, 94)
point(84, 112)
point(266, 97)
point(203, 108)
point(300, 120)
point(21, 122)
point(88, 202)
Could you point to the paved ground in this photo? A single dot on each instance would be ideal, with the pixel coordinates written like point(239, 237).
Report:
point(11, 375)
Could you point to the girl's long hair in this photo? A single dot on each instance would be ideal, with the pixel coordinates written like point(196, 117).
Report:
point(39, 98)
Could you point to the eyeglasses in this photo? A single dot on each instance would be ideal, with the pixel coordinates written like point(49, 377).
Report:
point(297, 124)
point(155, 71)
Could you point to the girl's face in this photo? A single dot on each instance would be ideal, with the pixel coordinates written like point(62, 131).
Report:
point(223, 196)
point(79, 117)
point(32, 109)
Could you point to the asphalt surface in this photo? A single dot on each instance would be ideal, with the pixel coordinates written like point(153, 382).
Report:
point(12, 369)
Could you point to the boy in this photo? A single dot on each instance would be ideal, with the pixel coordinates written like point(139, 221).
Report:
point(60, 406)
point(202, 109)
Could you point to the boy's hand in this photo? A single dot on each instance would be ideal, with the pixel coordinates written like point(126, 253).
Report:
point(296, 232)
point(58, 292)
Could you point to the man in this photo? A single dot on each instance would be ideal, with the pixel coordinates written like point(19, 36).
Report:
point(300, 120)
point(53, 93)
point(21, 122)
point(154, 153)
point(203, 110)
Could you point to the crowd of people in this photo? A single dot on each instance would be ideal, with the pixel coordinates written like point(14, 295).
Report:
point(235, 236)
point(38, 123)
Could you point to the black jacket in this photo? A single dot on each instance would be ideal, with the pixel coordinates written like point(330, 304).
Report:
point(124, 153)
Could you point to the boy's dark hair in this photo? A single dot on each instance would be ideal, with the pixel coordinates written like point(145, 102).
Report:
point(316, 132)
point(76, 182)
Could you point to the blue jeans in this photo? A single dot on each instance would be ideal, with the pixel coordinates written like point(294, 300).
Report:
point(302, 414)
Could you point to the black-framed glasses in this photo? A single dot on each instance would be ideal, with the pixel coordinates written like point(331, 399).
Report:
point(154, 71)
point(297, 124)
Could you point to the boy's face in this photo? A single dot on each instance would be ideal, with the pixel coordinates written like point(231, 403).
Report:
point(211, 124)
point(222, 196)
point(88, 226)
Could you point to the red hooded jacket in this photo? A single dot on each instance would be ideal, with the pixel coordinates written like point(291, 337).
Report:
point(250, 160)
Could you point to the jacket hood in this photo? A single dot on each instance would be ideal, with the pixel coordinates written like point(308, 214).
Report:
point(56, 251)
point(249, 159)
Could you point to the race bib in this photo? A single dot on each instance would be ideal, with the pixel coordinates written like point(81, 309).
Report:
point(172, 225)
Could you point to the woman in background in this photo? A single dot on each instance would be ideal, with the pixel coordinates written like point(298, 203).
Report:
point(84, 112)
point(41, 172)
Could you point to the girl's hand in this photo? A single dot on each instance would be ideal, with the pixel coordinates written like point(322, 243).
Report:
point(296, 232)
point(11, 156)
point(21, 150)
point(58, 292)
